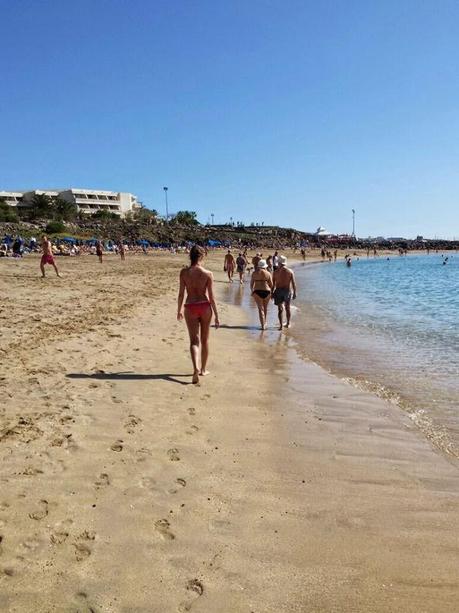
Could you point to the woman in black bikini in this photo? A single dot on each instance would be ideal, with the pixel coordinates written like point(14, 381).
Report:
point(199, 305)
point(261, 285)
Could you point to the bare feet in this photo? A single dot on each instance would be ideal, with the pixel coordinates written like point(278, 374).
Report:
point(195, 378)
point(204, 373)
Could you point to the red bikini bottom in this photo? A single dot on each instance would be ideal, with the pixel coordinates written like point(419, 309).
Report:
point(198, 309)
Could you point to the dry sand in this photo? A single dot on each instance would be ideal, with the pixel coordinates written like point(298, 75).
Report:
point(272, 487)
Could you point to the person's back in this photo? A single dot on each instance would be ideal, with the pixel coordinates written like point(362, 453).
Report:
point(196, 280)
point(241, 261)
point(261, 279)
point(283, 277)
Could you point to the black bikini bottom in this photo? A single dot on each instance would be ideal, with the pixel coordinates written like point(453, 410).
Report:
point(263, 293)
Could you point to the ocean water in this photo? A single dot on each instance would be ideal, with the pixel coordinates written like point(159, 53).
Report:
point(392, 326)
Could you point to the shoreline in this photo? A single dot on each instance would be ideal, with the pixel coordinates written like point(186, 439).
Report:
point(435, 431)
point(272, 487)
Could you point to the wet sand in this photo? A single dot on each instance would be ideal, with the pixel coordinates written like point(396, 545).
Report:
point(271, 487)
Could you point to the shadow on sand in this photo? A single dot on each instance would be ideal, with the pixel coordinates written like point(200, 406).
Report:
point(227, 327)
point(130, 376)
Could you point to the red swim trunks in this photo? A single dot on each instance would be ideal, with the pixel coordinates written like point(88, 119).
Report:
point(47, 259)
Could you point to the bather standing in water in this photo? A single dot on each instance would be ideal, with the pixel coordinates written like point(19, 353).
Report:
point(199, 305)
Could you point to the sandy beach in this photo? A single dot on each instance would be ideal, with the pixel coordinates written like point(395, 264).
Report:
point(271, 487)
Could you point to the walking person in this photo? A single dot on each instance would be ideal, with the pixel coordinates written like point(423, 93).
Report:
point(241, 263)
point(199, 305)
point(261, 285)
point(229, 265)
point(284, 290)
point(47, 257)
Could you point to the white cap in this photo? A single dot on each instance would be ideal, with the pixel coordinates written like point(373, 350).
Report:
point(282, 260)
point(262, 264)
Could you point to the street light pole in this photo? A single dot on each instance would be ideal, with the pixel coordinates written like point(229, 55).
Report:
point(212, 215)
point(167, 206)
point(353, 223)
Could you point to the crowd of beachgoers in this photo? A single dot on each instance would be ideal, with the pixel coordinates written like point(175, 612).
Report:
point(18, 247)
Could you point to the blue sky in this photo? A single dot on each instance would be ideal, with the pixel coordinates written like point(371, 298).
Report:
point(287, 112)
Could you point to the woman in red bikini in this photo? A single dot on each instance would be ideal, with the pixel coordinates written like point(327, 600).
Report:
point(199, 305)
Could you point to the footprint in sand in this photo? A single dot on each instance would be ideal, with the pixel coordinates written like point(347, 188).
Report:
point(82, 549)
point(195, 587)
point(58, 537)
point(192, 411)
point(173, 455)
point(117, 445)
point(131, 423)
point(180, 482)
point(102, 481)
point(83, 605)
point(41, 511)
point(193, 429)
point(162, 526)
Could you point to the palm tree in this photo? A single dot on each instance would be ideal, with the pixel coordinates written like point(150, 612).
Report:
point(67, 211)
point(185, 218)
point(42, 206)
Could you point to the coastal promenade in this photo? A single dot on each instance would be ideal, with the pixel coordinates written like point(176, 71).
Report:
point(272, 487)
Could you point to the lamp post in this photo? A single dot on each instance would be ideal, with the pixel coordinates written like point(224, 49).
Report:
point(353, 223)
point(167, 206)
point(212, 215)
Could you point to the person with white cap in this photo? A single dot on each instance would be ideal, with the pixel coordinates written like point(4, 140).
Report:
point(256, 258)
point(284, 290)
point(261, 285)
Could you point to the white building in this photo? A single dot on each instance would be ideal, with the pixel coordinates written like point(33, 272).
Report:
point(91, 200)
point(12, 198)
point(87, 200)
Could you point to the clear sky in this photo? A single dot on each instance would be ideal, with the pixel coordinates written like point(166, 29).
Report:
point(288, 112)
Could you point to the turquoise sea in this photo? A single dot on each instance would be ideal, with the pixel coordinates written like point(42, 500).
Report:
point(390, 325)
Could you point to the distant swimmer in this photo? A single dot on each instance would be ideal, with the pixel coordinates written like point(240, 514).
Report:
point(47, 257)
point(241, 264)
point(348, 261)
point(261, 285)
point(199, 305)
point(229, 265)
point(284, 290)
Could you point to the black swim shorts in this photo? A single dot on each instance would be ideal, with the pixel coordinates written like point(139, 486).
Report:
point(282, 294)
